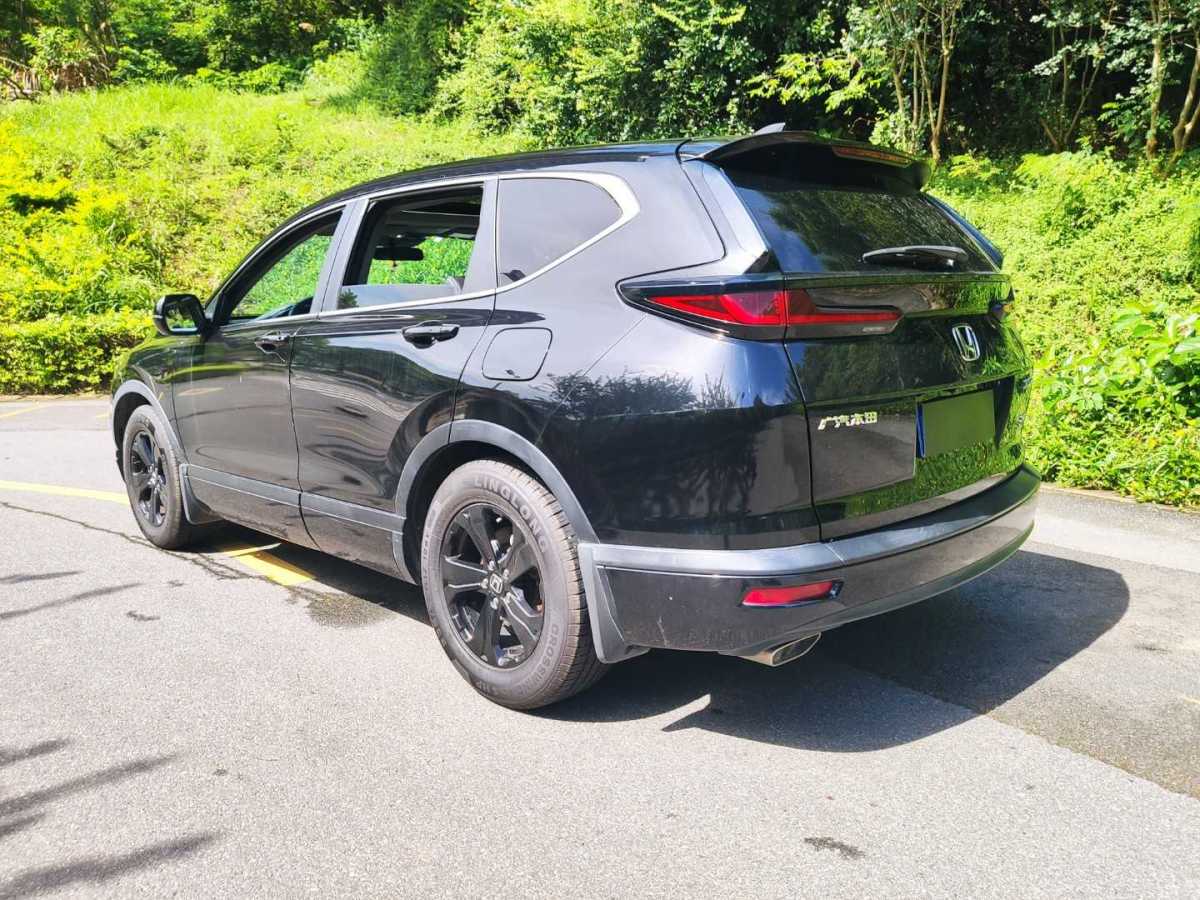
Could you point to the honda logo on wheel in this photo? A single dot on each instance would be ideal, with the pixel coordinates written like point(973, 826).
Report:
point(968, 343)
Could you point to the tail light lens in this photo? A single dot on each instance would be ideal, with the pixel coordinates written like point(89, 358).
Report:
point(770, 313)
point(790, 596)
point(740, 308)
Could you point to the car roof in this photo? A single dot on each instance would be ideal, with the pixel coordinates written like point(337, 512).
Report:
point(514, 162)
point(635, 151)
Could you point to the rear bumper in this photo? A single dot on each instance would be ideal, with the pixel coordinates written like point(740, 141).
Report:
point(643, 597)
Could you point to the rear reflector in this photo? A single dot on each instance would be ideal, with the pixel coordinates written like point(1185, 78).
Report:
point(790, 596)
point(792, 309)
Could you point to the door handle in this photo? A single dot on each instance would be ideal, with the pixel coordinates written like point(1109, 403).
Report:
point(272, 341)
point(425, 335)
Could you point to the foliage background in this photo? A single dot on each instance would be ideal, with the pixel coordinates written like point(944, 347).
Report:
point(146, 145)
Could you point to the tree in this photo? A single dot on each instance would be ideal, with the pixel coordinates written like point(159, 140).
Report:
point(918, 38)
point(1189, 110)
point(1079, 32)
point(1162, 40)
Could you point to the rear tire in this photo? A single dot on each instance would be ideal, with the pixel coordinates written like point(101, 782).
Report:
point(503, 588)
point(152, 481)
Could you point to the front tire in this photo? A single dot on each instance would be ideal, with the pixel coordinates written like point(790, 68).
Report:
point(503, 587)
point(152, 481)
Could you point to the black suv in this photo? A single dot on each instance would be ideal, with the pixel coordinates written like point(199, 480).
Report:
point(704, 395)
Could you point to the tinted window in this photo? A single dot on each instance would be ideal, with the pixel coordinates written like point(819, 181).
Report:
point(283, 283)
point(820, 214)
point(413, 247)
point(543, 219)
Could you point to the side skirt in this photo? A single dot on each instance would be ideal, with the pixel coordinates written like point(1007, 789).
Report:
point(349, 531)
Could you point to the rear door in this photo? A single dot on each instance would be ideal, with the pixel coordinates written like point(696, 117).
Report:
point(412, 291)
point(917, 402)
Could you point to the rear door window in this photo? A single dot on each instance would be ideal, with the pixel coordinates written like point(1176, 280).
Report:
point(416, 246)
point(541, 220)
point(821, 214)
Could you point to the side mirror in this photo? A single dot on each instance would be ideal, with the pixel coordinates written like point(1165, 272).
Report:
point(176, 314)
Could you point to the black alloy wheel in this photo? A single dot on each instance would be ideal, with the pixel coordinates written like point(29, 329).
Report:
point(147, 474)
point(492, 585)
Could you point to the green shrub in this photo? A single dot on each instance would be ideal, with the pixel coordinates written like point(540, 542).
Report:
point(403, 59)
point(66, 353)
point(577, 71)
point(1104, 262)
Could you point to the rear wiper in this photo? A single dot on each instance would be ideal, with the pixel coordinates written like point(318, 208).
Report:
point(919, 256)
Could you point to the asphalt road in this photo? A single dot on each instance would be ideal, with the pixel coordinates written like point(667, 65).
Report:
point(245, 722)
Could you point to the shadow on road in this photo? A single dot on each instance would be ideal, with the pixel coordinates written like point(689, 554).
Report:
point(66, 601)
point(975, 647)
point(97, 870)
point(25, 810)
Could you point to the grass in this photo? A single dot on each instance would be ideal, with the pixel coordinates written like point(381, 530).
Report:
point(108, 199)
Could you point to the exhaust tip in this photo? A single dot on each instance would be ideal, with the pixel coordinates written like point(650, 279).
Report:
point(786, 652)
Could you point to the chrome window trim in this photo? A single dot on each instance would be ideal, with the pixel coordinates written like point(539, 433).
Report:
point(612, 185)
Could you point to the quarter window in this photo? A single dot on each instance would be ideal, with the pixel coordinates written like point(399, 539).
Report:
point(544, 219)
point(415, 247)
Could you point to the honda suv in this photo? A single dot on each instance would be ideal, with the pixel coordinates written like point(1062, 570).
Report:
point(700, 395)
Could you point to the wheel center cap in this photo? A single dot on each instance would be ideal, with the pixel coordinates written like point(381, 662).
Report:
point(496, 584)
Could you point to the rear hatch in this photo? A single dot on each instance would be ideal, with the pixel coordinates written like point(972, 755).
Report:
point(914, 381)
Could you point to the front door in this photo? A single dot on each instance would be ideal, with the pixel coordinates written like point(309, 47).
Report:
point(233, 403)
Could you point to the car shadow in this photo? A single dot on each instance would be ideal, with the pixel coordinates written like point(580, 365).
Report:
point(960, 654)
point(341, 594)
point(973, 648)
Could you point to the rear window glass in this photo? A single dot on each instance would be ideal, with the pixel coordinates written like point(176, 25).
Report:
point(543, 219)
point(820, 214)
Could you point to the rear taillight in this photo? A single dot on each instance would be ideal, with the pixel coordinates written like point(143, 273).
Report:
point(735, 308)
point(775, 312)
point(790, 596)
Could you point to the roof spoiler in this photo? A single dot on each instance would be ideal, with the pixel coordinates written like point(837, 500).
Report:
point(719, 153)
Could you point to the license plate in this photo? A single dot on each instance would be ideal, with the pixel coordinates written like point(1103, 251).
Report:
point(947, 425)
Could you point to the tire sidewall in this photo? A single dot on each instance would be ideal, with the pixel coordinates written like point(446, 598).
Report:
point(167, 534)
point(481, 484)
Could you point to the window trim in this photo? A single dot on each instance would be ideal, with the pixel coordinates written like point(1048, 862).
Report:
point(613, 185)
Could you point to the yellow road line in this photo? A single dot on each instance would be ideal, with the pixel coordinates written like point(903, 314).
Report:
point(1195, 700)
point(268, 564)
point(276, 569)
point(24, 409)
point(255, 558)
point(103, 415)
point(63, 490)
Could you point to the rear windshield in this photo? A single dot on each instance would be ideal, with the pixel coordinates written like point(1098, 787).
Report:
point(819, 213)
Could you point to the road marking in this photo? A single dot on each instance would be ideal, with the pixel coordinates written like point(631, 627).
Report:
point(268, 564)
point(1195, 700)
point(103, 415)
point(63, 490)
point(276, 569)
point(24, 409)
point(255, 558)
